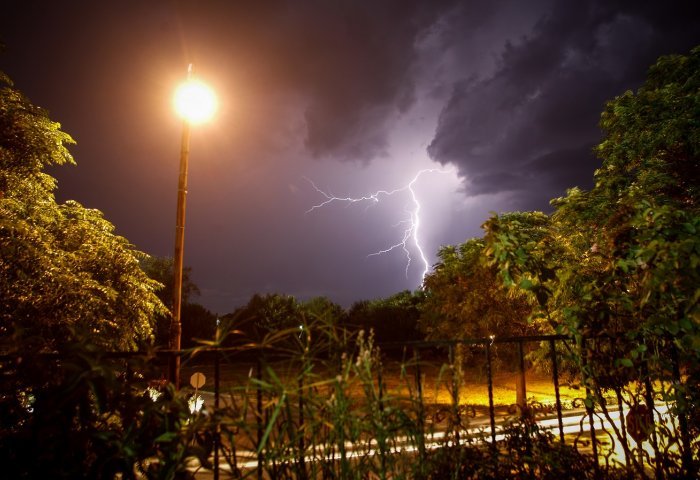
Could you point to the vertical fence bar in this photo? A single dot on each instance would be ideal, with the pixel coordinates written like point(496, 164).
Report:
point(649, 399)
point(380, 388)
point(555, 380)
point(217, 433)
point(258, 416)
point(521, 387)
point(340, 441)
point(455, 393)
point(614, 353)
point(492, 412)
point(129, 372)
point(687, 455)
point(382, 444)
point(522, 404)
point(589, 405)
point(302, 446)
point(171, 368)
point(421, 410)
point(623, 426)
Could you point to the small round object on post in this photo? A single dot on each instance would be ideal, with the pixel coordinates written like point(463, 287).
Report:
point(197, 380)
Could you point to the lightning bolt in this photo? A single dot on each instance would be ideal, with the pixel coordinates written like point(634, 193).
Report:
point(410, 233)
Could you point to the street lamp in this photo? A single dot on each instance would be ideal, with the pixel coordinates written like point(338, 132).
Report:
point(195, 103)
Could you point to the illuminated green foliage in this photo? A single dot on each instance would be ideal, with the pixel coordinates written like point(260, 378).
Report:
point(621, 261)
point(63, 270)
point(622, 257)
point(465, 298)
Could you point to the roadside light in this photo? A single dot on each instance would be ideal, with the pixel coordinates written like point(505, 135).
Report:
point(195, 102)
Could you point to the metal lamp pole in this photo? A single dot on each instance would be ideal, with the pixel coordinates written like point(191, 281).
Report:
point(176, 324)
point(195, 103)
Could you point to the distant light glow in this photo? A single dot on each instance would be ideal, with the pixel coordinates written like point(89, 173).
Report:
point(195, 403)
point(195, 102)
point(153, 393)
point(413, 222)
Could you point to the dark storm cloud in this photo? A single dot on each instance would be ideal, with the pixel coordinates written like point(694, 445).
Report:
point(350, 60)
point(355, 62)
point(349, 63)
point(520, 86)
point(529, 127)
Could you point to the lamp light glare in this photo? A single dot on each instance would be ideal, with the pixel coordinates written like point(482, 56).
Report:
point(195, 102)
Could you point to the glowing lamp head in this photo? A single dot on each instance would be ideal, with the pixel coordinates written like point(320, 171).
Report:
point(195, 102)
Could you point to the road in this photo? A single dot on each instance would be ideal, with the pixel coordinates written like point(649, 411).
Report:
point(576, 424)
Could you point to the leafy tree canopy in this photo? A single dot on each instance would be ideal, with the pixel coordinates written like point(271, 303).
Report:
point(323, 309)
point(465, 298)
point(63, 270)
point(264, 314)
point(622, 261)
point(161, 270)
point(393, 319)
point(628, 251)
point(197, 321)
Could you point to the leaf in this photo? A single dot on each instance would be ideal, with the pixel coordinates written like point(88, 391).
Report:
point(686, 324)
point(166, 437)
point(271, 422)
point(626, 362)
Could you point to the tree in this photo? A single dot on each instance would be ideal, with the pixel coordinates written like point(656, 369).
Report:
point(92, 416)
point(628, 250)
point(198, 323)
point(393, 319)
point(627, 266)
point(63, 271)
point(465, 298)
point(323, 309)
point(161, 270)
point(266, 314)
point(193, 315)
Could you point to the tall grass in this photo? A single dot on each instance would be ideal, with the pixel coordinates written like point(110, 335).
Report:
point(316, 405)
point(316, 402)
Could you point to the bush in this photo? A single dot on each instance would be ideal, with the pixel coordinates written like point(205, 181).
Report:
point(81, 414)
point(527, 452)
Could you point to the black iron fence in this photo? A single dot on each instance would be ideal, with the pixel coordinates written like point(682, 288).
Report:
point(291, 409)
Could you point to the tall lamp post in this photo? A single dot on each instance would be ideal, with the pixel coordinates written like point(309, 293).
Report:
point(195, 103)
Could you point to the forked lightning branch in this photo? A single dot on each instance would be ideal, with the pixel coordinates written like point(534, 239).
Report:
point(410, 236)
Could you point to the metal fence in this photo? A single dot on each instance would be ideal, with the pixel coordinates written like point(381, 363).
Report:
point(278, 411)
point(291, 411)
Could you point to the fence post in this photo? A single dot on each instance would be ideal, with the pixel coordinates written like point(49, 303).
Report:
point(614, 353)
point(380, 387)
point(455, 391)
point(217, 432)
point(555, 380)
point(623, 425)
point(649, 400)
point(589, 405)
point(381, 444)
point(687, 455)
point(492, 413)
point(520, 386)
point(258, 416)
point(421, 411)
point(302, 447)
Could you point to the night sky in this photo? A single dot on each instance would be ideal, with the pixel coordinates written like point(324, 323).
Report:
point(357, 96)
